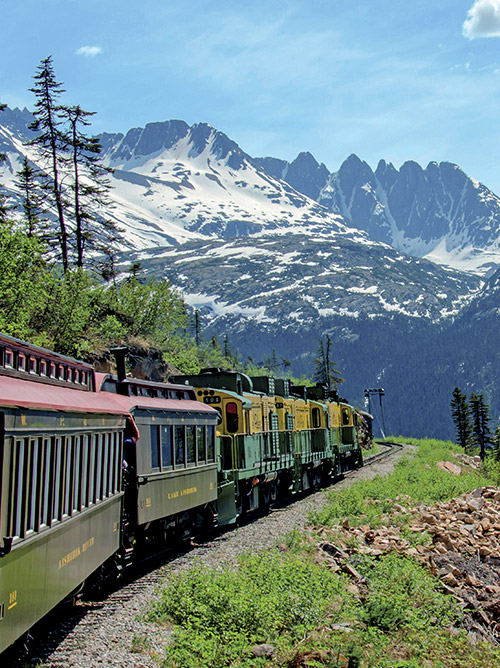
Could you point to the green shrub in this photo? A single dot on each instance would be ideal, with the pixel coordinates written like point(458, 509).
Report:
point(270, 597)
point(402, 592)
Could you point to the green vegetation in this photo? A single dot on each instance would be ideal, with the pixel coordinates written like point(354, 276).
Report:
point(302, 613)
point(271, 597)
point(415, 479)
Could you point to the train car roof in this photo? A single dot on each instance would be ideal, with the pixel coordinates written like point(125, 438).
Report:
point(25, 393)
point(158, 403)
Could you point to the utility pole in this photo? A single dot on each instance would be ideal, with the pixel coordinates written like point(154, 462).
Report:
point(380, 392)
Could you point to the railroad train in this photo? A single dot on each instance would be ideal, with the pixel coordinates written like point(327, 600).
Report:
point(99, 469)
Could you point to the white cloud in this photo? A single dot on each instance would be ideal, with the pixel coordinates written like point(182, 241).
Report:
point(89, 51)
point(483, 19)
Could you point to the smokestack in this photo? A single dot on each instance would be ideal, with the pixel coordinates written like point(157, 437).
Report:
point(120, 354)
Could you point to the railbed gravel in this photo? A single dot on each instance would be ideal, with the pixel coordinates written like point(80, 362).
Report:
point(113, 632)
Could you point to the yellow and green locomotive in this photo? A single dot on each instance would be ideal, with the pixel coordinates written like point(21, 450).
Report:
point(274, 438)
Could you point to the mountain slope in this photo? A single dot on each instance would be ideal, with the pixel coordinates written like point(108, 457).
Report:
point(437, 212)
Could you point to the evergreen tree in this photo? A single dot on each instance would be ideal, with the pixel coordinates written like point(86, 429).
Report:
point(272, 363)
point(197, 327)
point(53, 143)
point(226, 350)
point(496, 441)
point(3, 207)
point(214, 343)
point(480, 414)
point(326, 373)
point(28, 184)
point(460, 414)
point(90, 188)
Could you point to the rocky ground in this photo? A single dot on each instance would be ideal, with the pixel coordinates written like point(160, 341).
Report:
point(113, 632)
point(460, 544)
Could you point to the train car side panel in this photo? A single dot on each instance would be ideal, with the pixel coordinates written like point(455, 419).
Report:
point(61, 508)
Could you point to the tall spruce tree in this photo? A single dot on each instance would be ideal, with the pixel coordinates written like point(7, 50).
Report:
point(90, 188)
point(480, 416)
point(460, 414)
point(197, 327)
point(326, 371)
point(496, 441)
point(52, 142)
point(3, 207)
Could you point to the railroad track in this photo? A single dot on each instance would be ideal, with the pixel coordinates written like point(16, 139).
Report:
point(389, 448)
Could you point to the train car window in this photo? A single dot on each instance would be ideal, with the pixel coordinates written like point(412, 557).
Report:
point(111, 463)
point(105, 466)
point(32, 485)
point(21, 362)
point(232, 421)
point(91, 467)
point(27, 483)
point(345, 416)
point(155, 453)
point(166, 446)
point(45, 477)
point(68, 472)
point(200, 444)
point(316, 417)
point(113, 454)
point(210, 444)
point(56, 494)
point(118, 462)
point(9, 359)
point(84, 470)
point(18, 489)
point(77, 475)
point(191, 445)
point(179, 445)
point(72, 464)
point(110, 449)
point(98, 472)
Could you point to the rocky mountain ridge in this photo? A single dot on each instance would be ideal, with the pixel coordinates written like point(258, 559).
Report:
point(438, 212)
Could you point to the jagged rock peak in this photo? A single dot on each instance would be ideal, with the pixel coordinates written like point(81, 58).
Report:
point(17, 120)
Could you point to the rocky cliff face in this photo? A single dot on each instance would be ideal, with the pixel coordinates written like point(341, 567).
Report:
point(437, 212)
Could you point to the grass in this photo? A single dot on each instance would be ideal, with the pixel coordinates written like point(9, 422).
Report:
point(416, 479)
point(311, 616)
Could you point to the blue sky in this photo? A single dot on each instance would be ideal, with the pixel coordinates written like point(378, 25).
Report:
point(390, 79)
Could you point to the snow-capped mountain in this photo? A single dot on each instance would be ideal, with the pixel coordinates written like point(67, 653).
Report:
point(438, 212)
point(174, 183)
point(200, 181)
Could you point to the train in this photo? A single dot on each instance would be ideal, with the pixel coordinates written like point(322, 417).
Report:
point(99, 469)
